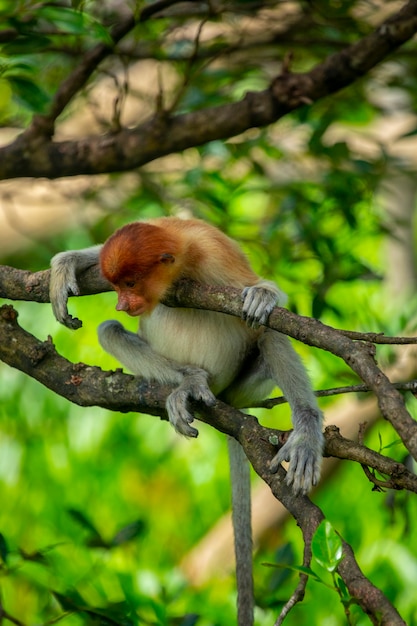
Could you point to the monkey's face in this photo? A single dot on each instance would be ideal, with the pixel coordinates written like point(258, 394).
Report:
point(131, 298)
point(141, 263)
point(139, 293)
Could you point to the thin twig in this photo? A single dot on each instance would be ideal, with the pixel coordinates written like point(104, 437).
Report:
point(378, 338)
point(335, 391)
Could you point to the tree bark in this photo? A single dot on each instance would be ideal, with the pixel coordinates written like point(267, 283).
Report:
point(34, 154)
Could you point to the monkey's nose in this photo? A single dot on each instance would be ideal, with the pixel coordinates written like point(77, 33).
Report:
point(122, 305)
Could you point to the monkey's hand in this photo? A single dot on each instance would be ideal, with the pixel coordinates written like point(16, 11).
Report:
point(193, 387)
point(259, 301)
point(63, 283)
point(304, 452)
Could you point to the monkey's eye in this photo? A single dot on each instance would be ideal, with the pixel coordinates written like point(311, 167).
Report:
point(130, 284)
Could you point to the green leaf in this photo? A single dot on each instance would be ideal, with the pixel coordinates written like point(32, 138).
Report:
point(4, 550)
point(79, 517)
point(118, 613)
point(64, 19)
point(74, 22)
point(7, 7)
point(5, 94)
point(285, 556)
point(396, 442)
point(34, 557)
point(26, 44)
point(300, 569)
point(69, 601)
point(35, 98)
point(16, 66)
point(343, 590)
point(128, 532)
point(327, 546)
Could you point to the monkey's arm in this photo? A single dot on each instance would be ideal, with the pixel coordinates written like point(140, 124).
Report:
point(63, 282)
point(139, 357)
point(304, 447)
point(282, 364)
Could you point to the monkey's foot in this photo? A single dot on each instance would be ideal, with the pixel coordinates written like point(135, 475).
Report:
point(193, 387)
point(304, 455)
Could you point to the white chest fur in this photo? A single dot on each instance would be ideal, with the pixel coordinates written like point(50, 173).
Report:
point(213, 341)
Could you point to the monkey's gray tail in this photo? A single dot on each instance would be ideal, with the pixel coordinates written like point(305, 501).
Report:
point(242, 527)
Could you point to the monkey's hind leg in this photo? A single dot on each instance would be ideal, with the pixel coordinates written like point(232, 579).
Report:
point(139, 357)
point(304, 447)
point(193, 386)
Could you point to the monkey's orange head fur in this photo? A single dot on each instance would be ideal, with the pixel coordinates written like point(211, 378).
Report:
point(141, 261)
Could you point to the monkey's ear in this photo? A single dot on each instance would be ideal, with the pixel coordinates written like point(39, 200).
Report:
point(166, 257)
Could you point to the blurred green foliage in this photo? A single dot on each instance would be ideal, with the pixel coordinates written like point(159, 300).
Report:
point(97, 510)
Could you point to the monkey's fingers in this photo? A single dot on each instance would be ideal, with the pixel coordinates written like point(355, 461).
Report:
point(258, 303)
point(304, 465)
point(195, 384)
point(204, 394)
point(63, 283)
point(60, 310)
point(178, 414)
point(71, 322)
point(300, 474)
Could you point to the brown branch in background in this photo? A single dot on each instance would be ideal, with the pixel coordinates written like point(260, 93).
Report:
point(4, 615)
point(153, 9)
point(160, 136)
point(188, 73)
point(43, 125)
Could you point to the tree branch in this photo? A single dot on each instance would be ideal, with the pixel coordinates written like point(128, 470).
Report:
point(360, 357)
point(87, 386)
point(164, 134)
point(341, 448)
point(42, 126)
point(410, 385)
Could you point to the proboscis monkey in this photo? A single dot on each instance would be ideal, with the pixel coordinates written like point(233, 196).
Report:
point(203, 353)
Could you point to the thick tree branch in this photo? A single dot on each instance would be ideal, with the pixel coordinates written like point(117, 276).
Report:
point(164, 134)
point(86, 385)
point(40, 361)
point(360, 357)
point(20, 285)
